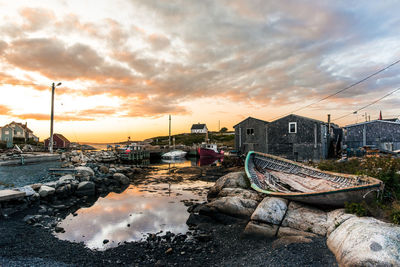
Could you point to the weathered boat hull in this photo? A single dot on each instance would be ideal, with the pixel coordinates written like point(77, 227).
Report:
point(204, 152)
point(337, 197)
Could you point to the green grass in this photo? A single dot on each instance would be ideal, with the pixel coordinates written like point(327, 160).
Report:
point(192, 139)
point(385, 169)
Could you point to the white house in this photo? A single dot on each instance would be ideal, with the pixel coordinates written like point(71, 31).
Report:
point(199, 128)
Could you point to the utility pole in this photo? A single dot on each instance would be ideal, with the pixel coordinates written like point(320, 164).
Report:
point(169, 135)
point(219, 125)
point(328, 136)
point(53, 88)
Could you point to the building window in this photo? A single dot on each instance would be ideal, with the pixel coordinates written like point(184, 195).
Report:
point(15, 131)
point(292, 127)
point(250, 131)
point(6, 132)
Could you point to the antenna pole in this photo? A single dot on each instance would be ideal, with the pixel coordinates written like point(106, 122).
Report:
point(53, 87)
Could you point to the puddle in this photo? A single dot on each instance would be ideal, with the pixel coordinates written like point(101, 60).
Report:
point(14, 176)
point(139, 210)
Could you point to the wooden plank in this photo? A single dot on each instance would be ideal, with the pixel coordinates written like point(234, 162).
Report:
point(10, 194)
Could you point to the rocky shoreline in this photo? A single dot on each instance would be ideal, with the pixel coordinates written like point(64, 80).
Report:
point(236, 226)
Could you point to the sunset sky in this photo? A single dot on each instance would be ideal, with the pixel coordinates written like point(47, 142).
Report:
point(125, 65)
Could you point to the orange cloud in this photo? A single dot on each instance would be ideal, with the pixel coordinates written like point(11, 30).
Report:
point(4, 110)
point(45, 117)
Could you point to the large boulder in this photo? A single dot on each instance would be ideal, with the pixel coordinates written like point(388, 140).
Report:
point(86, 189)
point(45, 191)
point(240, 192)
point(335, 218)
point(235, 206)
point(260, 230)
point(270, 210)
point(84, 171)
point(305, 218)
point(230, 180)
point(365, 242)
point(121, 178)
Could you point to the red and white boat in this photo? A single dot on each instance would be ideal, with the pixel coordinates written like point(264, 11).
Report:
point(209, 150)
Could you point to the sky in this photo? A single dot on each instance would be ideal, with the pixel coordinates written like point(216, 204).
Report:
point(126, 65)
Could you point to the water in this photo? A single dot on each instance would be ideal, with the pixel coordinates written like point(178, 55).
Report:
point(153, 206)
point(16, 176)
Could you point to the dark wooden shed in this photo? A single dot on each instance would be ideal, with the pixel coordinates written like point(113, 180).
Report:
point(250, 135)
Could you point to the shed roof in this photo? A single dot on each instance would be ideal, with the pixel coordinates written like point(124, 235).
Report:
point(62, 137)
point(374, 121)
point(318, 121)
point(198, 126)
point(250, 118)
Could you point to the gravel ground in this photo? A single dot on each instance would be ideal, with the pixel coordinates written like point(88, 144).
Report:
point(214, 245)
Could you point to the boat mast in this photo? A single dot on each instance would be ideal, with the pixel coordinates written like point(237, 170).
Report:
point(169, 135)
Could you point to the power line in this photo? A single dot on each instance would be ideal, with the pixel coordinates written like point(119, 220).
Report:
point(370, 104)
point(341, 90)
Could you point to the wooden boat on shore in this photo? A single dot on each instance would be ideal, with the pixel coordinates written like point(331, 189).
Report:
point(283, 178)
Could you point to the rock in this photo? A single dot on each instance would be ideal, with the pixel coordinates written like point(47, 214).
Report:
point(287, 231)
point(235, 206)
point(45, 191)
point(203, 237)
point(335, 218)
point(36, 187)
point(257, 229)
point(105, 241)
point(243, 193)
point(84, 171)
point(365, 242)
point(29, 191)
point(270, 210)
point(58, 229)
point(121, 178)
point(305, 218)
point(231, 180)
point(86, 189)
point(75, 159)
point(213, 213)
point(168, 251)
point(287, 240)
point(103, 169)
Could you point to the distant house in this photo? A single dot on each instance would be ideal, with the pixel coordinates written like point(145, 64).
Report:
point(293, 137)
point(383, 134)
point(250, 135)
point(199, 128)
point(15, 130)
point(59, 141)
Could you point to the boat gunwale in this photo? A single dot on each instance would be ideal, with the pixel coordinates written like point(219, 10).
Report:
point(375, 182)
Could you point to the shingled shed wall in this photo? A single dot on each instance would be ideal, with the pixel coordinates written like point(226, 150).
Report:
point(255, 141)
point(373, 133)
point(308, 143)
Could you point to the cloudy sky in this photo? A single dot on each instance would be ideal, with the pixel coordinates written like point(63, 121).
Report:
point(125, 65)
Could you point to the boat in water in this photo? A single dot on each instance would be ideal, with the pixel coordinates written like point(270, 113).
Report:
point(174, 154)
point(278, 177)
point(209, 150)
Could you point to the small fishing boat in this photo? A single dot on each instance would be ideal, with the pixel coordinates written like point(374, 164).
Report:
point(278, 177)
point(209, 150)
point(174, 154)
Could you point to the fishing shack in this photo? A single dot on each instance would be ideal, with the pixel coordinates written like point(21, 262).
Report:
point(293, 137)
point(381, 134)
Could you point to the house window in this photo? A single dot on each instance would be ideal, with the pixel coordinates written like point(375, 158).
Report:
point(15, 131)
point(292, 127)
point(250, 131)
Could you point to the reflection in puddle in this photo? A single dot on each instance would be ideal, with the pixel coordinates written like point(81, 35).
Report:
point(132, 214)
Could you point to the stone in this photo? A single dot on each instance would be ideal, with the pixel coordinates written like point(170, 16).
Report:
point(84, 171)
point(36, 187)
point(230, 180)
point(305, 218)
point(168, 251)
point(270, 210)
point(105, 241)
point(75, 159)
point(365, 241)
point(335, 218)
point(45, 191)
point(103, 169)
point(287, 231)
point(58, 229)
point(86, 189)
point(27, 189)
point(257, 229)
point(121, 178)
point(243, 193)
point(235, 206)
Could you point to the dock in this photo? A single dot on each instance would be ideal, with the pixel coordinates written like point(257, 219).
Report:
point(8, 194)
point(22, 159)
